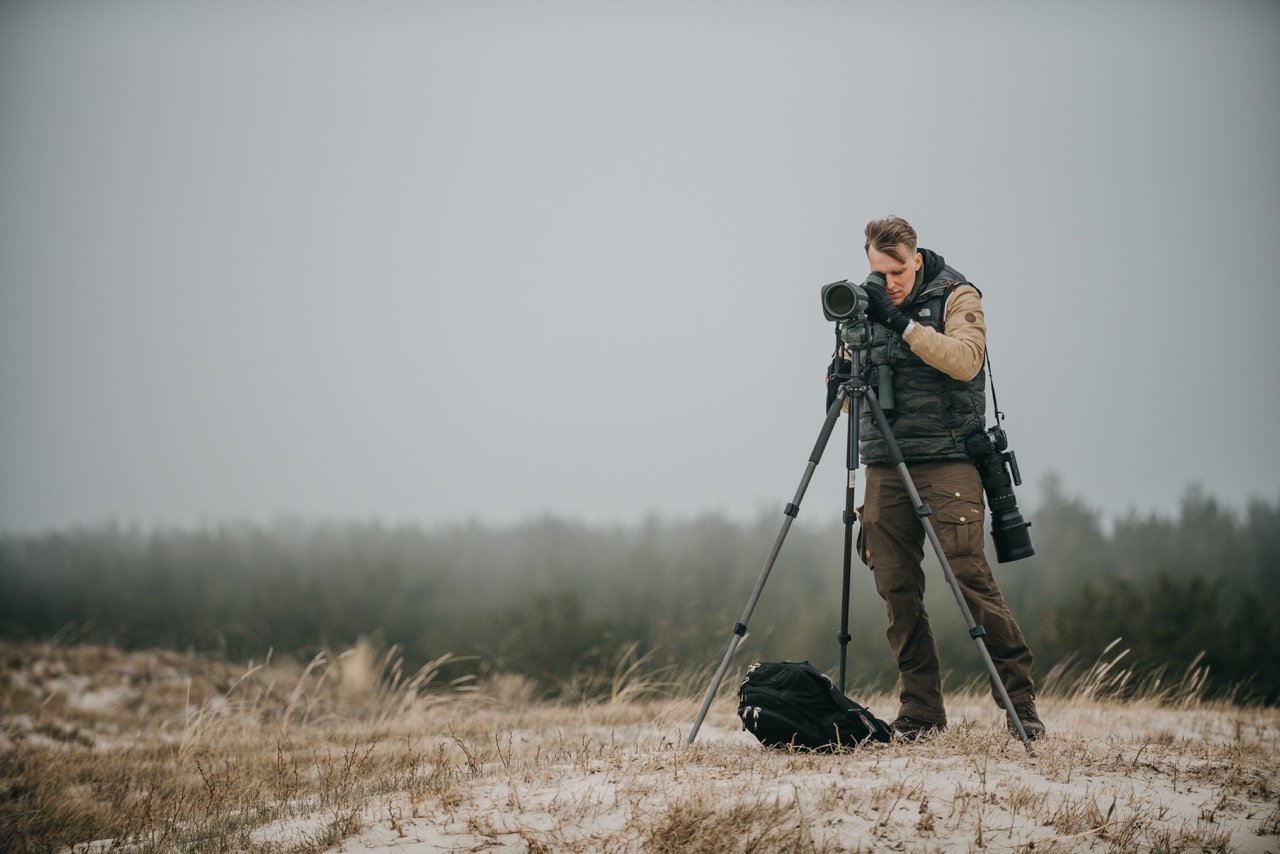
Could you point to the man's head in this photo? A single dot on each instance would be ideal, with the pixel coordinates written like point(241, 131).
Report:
point(891, 250)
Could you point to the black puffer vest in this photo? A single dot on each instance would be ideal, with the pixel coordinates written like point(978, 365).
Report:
point(933, 413)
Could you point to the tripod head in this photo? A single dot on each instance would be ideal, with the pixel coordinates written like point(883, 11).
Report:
point(854, 333)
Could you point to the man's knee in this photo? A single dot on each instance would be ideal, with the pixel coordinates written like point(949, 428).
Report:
point(901, 586)
point(974, 574)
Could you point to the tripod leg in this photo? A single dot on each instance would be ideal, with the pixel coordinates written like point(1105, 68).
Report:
point(922, 510)
point(850, 504)
point(791, 510)
point(843, 637)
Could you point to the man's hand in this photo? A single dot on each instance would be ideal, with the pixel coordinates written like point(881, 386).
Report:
point(882, 310)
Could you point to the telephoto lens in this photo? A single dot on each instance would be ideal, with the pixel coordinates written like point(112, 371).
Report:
point(1008, 528)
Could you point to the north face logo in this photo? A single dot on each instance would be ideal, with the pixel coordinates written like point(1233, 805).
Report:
point(924, 312)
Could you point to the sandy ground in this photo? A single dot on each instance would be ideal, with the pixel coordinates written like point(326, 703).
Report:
point(492, 771)
point(1132, 779)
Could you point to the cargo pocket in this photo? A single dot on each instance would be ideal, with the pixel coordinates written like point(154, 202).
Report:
point(957, 513)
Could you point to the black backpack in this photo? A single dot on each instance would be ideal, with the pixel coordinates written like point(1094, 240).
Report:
point(794, 705)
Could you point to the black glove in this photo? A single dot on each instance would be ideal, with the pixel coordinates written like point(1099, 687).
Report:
point(882, 310)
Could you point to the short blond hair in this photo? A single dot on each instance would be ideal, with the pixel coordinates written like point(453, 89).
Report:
point(887, 234)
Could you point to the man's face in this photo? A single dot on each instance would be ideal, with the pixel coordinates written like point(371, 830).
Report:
point(900, 276)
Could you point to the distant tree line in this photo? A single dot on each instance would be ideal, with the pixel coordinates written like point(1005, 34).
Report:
point(554, 600)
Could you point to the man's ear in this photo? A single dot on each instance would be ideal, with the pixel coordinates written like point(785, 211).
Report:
point(919, 260)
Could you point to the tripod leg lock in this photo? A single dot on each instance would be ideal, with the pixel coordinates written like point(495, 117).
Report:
point(740, 629)
point(792, 510)
point(923, 510)
point(843, 638)
point(850, 518)
point(977, 632)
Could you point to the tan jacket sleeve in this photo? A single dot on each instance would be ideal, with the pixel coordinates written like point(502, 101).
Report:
point(959, 348)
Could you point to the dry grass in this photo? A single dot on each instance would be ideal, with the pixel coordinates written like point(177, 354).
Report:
point(106, 751)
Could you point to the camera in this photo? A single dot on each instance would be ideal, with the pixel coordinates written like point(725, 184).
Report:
point(1008, 528)
point(843, 300)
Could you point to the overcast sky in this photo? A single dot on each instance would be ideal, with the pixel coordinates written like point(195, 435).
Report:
point(433, 262)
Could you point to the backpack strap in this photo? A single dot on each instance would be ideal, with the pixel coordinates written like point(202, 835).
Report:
point(951, 289)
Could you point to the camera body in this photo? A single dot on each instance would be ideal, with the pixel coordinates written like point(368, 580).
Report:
point(994, 462)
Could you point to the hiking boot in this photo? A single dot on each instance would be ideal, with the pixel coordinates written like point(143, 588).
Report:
point(1031, 722)
point(907, 728)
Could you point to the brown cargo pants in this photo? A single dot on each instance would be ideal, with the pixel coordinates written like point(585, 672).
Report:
point(891, 542)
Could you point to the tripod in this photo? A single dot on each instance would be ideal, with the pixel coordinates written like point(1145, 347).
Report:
point(856, 388)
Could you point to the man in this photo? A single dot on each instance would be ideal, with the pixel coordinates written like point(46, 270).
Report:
point(929, 331)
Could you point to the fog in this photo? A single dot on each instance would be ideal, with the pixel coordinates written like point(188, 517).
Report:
point(435, 262)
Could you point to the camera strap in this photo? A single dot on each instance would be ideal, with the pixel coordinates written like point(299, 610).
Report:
point(991, 378)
